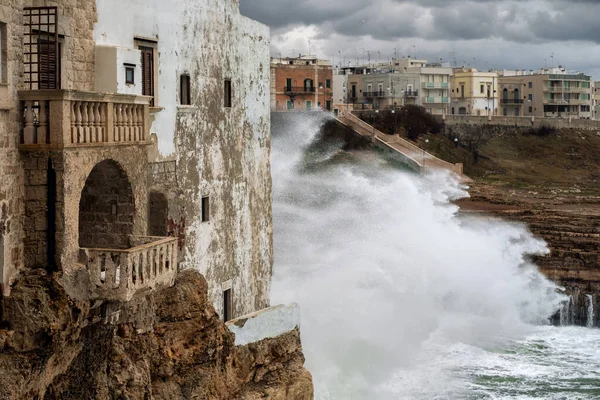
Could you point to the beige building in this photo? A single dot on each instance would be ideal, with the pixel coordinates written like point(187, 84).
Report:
point(549, 93)
point(474, 92)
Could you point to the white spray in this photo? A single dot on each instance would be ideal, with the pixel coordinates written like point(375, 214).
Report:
point(380, 263)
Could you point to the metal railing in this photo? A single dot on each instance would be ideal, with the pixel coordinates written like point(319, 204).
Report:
point(380, 93)
point(511, 101)
point(299, 89)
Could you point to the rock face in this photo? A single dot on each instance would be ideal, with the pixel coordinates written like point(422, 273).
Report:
point(54, 348)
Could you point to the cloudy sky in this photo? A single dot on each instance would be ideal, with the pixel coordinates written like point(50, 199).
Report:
point(485, 34)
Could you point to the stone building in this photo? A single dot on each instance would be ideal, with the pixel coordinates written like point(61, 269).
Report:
point(303, 83)
point(134, 141)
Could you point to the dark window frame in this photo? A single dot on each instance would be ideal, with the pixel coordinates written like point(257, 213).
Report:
point(129, 68)
point(205, 208)
point(227, 305)
point(185, 96)
point(227, 93)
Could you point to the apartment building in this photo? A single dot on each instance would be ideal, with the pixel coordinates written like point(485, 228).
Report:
point(435, 87)
point(303, 83)
point(548, 92)
point(132, 147)
point(474, 92)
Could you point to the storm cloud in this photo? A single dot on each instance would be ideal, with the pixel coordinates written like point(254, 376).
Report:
point(525, 34)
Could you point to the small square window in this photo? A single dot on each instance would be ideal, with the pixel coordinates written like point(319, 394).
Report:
point(130, 74)
point(530, 85)
point(184, 92)
point(205, 209)
point(227, 90)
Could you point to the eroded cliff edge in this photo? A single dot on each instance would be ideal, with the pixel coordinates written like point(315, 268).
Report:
point(52, 347)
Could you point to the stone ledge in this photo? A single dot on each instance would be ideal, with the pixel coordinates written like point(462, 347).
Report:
point(264, 324)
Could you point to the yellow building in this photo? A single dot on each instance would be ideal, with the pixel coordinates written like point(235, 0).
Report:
point(474, 92)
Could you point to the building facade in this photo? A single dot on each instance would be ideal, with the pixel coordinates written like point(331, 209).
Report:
point(435, 87)
point(304, 83)
point(549, 93)
point(135, 142)
point(474, 92)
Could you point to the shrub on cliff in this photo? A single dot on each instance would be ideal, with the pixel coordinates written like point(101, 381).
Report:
point(415, 121)
point(542, 131)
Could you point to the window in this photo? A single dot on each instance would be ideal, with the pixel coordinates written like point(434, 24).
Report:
point(129, 74)
point(42, 51)
point(184, 90)
point(328, 83)
point(481, 88)
point(530, 109)
point(148, 72)
point(530, 97)
point(530, 85)
point(227, 305)
point(205, 209)
point(288, 84)
point(3, 55)
point(328, 105)
point(227, 93)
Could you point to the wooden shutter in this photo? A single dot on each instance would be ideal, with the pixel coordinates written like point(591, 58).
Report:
point(148, 72)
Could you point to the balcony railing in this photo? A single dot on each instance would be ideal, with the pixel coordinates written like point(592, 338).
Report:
point(435, 85)
point(436, 100)
point(299, 89)
point(511, 101)
point(411, 93)
point(65, 118)
point(118, 274)
point(374, 94)
point(563, 89)
point(566, 102)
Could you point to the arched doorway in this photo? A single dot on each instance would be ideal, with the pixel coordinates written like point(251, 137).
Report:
point(505, 94)
point(106, 208)
point(159, 214)
point(517, 96)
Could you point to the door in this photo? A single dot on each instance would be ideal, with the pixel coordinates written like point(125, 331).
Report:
point(288, 85)
point(290, 105)
point(308, 105)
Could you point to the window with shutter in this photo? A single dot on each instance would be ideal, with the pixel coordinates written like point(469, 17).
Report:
point(148, 72)
point(41, 48)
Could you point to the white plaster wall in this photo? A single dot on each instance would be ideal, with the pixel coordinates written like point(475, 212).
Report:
point(129, 56)
point(340, 84)
point(220, 152)
point(265, 324)
point(119, 22)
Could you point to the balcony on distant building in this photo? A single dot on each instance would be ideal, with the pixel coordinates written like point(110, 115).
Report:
point(411, 93)
point(299, 89)
point(511, 101)
point(380, 93)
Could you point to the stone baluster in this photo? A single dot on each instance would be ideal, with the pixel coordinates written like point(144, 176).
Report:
point(154, 261)
point(143, 277)
point(117, 122)
point(29, 132)
point(85, 121)
point(91, 122)
point(134, 123)
point(129, 123)
point(97, 123)
point(148, 264)
point(78, 122)
point(140, 111)
point(42, 130)
point(122, 137)
point(161, 250)
point(73, 124)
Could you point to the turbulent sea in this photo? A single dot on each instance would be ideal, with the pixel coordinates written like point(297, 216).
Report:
point(404, 298)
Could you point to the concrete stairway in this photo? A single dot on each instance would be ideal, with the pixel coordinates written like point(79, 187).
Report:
point(413, 156)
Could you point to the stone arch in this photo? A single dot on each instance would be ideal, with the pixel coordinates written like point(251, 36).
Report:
point(106, 208)
point(516, 95)
point(158, 214)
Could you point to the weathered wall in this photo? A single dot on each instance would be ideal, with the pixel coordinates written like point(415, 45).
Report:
point(11, 172)
point(219, 152)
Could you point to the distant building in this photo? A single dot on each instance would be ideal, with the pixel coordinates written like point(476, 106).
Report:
point(596, 100)
point(303, 83)
point(474, 92)
point(548, 92)
point(435, 87)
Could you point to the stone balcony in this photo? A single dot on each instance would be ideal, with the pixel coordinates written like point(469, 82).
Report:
point(59, 119)
point(118, 274)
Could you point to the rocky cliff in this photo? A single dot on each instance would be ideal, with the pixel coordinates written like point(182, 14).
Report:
point(52, 347)
point(570, 223)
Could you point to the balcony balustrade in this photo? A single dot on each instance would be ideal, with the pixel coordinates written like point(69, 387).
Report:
point(435, 85)
point(118, 274)
point(65, 118)
point(436, 100)
point(374, 94)
point(511, 101)
point(411, 93)
point(299, 89)
point(563, 89)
